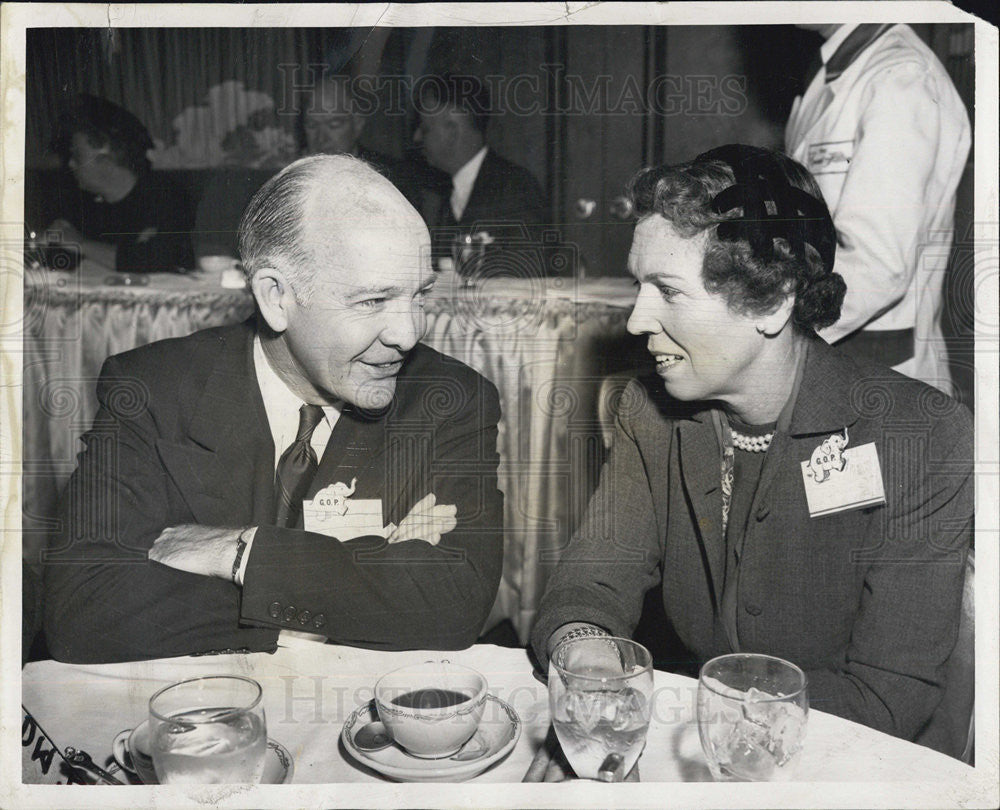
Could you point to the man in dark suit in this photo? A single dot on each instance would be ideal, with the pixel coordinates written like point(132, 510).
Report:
point(482, 193)
point(199, 516)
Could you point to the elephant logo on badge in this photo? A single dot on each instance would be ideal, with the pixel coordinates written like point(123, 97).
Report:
point(828, 456)
point(334, 497)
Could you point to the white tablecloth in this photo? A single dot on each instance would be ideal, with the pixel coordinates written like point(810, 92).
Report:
point(310, 689)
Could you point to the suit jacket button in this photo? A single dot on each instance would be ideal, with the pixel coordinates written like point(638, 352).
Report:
point(752, 609)
point(304, 617)
point(319, 620)
point(290, 612)
point(274, 610)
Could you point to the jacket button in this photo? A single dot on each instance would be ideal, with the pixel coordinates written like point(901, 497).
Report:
point(304, 617)
point(274, 610)
point(319, 620)
point(752, 609)
point(290, 612)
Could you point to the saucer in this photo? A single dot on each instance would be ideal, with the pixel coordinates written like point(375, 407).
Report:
point(496, 736)
point(278, 763)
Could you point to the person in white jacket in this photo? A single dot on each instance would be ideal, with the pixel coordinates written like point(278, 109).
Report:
point(884, 132)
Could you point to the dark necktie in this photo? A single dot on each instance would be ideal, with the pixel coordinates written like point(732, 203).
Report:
point(296, 469)
point(443, 232)
point(446, 216)
point(850, 49)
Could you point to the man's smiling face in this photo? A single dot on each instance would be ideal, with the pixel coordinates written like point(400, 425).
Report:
point(366, 312)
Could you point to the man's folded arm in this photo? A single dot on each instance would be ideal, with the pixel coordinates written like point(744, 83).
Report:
point(408, 595)
point(104, 600)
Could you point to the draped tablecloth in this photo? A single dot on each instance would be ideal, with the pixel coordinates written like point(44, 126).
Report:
point(310, 689)
point(546, 344)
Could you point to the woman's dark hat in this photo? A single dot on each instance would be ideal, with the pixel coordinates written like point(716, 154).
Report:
point(772, 207)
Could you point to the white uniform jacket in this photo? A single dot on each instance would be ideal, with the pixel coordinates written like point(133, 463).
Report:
point(887, 140)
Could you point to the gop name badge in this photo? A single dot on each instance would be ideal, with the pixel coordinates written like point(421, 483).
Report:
point(838, 478)
point(332, 512)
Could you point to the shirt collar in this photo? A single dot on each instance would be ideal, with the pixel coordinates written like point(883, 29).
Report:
point(829, 48)
point(463, 180)
point(279, 399)
point(467, 174)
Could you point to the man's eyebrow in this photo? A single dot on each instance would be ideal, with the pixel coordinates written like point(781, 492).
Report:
point(364, 292)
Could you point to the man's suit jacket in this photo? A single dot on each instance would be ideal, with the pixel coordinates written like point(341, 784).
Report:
point(181, 437)
point(506, 202)
point(866, 601)
point(504, 193)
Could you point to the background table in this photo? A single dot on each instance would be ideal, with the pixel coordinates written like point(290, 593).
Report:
point(310, 689)
point(547, 345)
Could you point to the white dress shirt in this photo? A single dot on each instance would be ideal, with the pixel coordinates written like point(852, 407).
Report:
point(282, 409)
point(462, 182)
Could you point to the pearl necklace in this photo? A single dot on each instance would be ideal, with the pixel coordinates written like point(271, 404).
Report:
point(751, 444)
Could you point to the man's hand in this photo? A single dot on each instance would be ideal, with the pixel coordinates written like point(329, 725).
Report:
point(205, 550)
point(427, 521)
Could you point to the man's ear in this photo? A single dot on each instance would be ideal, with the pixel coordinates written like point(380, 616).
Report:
point(274, 297)
point(772, 324)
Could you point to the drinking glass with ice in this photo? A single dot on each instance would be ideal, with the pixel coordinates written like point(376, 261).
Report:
point(600, 698)
point(208, 730)
point(752, 712)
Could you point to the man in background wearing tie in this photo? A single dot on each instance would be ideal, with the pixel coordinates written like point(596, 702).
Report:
point(486, 193)
point(208, 509)
point(884, 132)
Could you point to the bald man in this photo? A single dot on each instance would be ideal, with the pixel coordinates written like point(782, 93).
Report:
point(315, 469)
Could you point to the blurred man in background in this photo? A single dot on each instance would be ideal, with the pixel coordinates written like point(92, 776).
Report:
point(481, 192)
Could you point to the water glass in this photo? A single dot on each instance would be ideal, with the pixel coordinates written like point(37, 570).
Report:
point(600, 698)
point(752, 712)
point(208, 730)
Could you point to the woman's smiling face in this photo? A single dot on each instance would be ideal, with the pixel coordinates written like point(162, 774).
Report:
point(702, 348)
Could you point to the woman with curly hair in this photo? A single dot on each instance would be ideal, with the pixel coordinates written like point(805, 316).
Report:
point(783, 498)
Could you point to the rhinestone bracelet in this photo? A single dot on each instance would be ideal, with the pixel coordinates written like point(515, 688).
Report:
point(586, 631)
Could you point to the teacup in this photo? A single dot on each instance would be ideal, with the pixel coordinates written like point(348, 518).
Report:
point(431, 709)
point(131, 752)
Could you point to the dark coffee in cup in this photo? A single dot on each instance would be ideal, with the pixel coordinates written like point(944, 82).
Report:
point(430, 699)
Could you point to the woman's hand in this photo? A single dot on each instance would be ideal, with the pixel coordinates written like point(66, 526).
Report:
point(549, 764)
